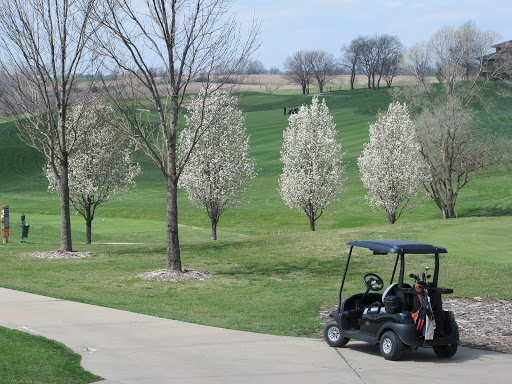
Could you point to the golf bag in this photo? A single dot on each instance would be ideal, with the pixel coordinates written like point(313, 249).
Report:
point(422, 314)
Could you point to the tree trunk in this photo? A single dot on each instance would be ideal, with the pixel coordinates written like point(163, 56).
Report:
point(450, 211)
point(312, 223)
point(173, 244)
point(352, 77)
point(447, 207)
point(214, 229)
point(451, 198)
point(89, 216)
point(392, 218)
point(88, 231)
point(65, 224)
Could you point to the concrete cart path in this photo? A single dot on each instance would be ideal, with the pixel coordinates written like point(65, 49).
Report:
point(125, 347)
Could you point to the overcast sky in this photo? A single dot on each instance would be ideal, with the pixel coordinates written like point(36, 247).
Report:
point(292, 25)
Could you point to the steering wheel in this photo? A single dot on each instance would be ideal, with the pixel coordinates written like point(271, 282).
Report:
point(373, 282)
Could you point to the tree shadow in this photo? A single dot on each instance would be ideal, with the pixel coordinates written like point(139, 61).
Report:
point(485, 212)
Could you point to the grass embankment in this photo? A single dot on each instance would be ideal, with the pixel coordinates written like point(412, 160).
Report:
point(26, 358)
point(272, 275)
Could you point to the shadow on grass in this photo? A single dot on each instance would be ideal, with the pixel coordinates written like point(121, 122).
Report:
point(485, 212)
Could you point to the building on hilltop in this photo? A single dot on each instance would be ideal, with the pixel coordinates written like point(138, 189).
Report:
point(501, 58)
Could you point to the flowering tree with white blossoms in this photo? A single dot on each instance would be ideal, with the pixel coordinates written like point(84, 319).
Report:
point(391, 165)
point(219, 168)
point(101, 166)
point(313, 172)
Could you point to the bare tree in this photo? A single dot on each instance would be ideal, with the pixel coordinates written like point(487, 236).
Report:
point(378, 56)
point(351, 55)
point(255, 67)
point(450, 145)
point(322, 66)
point(453, 151)
point(298, 69)
point(391, 51)
point(268, 85)
point(417, 62)
point(43, 53)
point(191, 39)
point(369, 58)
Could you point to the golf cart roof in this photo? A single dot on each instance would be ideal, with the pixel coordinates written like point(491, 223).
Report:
point(398, 246)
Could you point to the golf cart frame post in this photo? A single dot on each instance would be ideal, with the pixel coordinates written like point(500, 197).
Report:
point(399, 257)
point(363, 316)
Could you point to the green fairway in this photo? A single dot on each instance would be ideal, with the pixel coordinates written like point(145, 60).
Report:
point(272, 274)
point(26, 358)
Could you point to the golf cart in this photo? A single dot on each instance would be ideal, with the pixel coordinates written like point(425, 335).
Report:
point(403, 317)
point(293, 109)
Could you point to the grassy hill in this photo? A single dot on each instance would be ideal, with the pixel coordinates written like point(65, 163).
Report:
point(266, 260)
point(24, 186)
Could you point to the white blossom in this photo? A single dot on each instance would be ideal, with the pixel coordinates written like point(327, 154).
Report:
point(313, 173)
point(101, 163)
point(219, 167)
point(391, 165)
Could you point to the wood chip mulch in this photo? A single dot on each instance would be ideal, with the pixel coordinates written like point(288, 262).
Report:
point(166, 275)
point(61, 255)
point(483, 324)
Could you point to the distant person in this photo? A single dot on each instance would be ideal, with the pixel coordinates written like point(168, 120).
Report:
point(284, 111)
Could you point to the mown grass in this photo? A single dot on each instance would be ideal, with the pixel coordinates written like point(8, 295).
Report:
point(272, 284)
point(26, 358)
point(488, 193)
point(272, 275)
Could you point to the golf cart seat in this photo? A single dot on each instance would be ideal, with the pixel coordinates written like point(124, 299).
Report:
point(375, 309)
point(395, 297)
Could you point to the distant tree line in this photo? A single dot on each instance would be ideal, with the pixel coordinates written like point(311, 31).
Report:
point(378, 57)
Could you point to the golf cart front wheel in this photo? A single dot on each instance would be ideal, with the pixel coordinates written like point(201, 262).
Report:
point(391, 347)
point(333, 335)
point(445, 350)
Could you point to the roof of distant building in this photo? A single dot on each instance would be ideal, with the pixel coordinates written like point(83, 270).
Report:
point(505, 44)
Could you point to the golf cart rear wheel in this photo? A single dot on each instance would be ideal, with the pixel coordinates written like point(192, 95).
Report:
point(445, 350)
point(391, 347)
point(334, 336)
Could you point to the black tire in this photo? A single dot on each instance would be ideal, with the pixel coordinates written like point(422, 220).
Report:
point(445, 351)
point(391, 347)
point(333, 335)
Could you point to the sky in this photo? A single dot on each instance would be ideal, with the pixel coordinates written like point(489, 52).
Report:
point(292, 25)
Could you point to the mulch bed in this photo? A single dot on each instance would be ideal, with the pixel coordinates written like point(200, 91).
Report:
point(166, 275)
point(61, 255)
